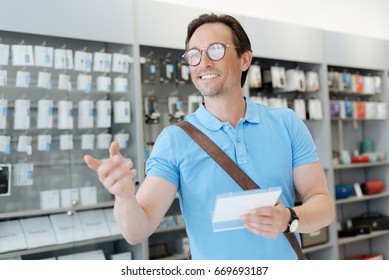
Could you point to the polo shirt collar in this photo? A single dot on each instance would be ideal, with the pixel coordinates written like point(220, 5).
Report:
point(214, 124)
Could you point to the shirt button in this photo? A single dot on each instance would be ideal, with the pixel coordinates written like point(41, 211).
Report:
point(238, 140)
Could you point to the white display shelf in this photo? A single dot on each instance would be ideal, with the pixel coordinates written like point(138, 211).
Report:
point(360, 237)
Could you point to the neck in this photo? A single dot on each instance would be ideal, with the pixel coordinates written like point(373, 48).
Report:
point(227, 108)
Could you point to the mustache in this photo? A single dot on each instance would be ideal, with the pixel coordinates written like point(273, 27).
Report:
point(208, 71)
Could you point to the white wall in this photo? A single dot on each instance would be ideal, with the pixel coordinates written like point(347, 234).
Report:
point(355, 51)
point(161, 25)
point(273, 39)
point(359, 17)
point(100, 20)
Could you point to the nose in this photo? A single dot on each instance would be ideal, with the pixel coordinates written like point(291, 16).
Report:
point(205, 60)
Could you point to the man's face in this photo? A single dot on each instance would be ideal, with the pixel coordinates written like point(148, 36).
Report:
point(215, 78)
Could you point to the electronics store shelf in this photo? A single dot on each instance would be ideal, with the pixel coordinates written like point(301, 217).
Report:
point(360, 165)
point(30, 213)
point(365, 197)
point(61, 246)
point(347, 240)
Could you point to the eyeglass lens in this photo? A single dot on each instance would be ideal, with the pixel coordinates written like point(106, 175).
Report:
point(215, 52)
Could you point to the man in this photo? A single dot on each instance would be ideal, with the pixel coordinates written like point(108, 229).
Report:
point(273, 146)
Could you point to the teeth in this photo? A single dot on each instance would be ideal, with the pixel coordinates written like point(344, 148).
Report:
point(206, 77)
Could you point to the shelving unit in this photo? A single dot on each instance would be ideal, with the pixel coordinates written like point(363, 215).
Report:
point(348, 132)
point(54, 179)
point(158, 87)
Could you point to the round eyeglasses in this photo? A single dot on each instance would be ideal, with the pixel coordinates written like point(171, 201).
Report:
point(215, 52)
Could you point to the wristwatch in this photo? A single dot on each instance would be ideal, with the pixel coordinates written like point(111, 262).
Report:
point(294, 221)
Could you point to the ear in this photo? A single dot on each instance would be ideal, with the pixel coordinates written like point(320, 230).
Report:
point(246, 60)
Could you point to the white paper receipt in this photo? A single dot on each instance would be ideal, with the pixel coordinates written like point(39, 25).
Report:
point(229, 207)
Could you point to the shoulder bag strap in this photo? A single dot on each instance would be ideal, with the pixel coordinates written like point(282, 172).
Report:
point(244, 181)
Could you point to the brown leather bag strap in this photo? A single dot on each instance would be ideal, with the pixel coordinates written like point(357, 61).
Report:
point(218, 155)
point(295, 244)
point(241, 178)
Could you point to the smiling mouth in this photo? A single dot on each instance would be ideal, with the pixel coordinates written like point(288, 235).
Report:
point(208, 77)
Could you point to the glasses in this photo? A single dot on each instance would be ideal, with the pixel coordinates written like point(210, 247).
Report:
point(215, 52)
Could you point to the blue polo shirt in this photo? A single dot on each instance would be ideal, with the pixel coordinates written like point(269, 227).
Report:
point(267, 144)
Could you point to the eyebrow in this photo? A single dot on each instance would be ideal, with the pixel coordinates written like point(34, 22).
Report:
point(216, 42)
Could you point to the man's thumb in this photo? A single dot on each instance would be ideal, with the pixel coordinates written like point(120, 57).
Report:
point(114, 149)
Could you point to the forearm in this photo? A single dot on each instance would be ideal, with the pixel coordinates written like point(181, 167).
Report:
point(317, 209)
point(133, 221)
point(315, 213)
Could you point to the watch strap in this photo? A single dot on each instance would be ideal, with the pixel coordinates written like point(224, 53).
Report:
point(293, 216)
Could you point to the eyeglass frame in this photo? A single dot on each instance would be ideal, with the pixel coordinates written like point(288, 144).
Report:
point(225, 46)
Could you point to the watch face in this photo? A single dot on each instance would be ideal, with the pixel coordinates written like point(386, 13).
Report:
point(293, 226)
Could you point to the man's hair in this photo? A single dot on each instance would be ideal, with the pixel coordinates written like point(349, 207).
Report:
point(239, 35)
